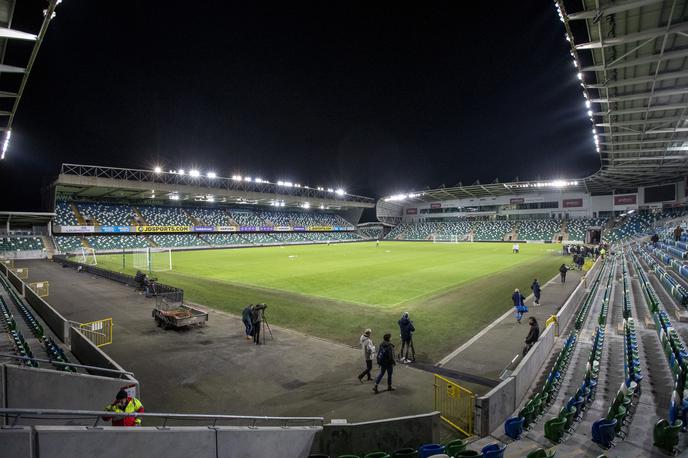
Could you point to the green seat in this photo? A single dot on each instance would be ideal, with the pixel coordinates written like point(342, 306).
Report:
point(554, 429)
point(542, 453)
point(406, 453)
point(455, 446)
point(537, 406)
point(665, 436)
point(348, 456)
point(467, 454)
point(568, 415)
point(528, 415)
point(377, 455)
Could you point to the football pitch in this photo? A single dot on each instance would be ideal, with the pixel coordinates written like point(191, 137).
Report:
point(335, 291)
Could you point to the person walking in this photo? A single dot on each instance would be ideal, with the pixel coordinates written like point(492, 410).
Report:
point(533, 334)
point(406, 330)
point(385, 359)
point(368, 353)
point(124, 403)
point(562, 272)
point(536, 291)
point(246, 319)
point(520, 307)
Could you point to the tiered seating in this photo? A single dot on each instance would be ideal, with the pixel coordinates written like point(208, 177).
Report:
point(257, 238)
point(556, 427)
point(671, 285)
point(280, 218)
point(164, 216)
point(106, 214)
point(20, 243)
point(587, 304)
point(428, 231)
point(210, 216)
point(68, 243)
point(246, 218)
point(225, 239)
point(288, 237)
point(117, 242)
point(632, 225)
point(21, 347)
point(371, 232)
point(56, 354)
point(64, 215)
point(671, 261)
point(538, 229)
point(177, 240)
point(665, 433)
point(676, 249)
point(491, 230)
point(578, 227)
point(331, 236)
point(31, 321)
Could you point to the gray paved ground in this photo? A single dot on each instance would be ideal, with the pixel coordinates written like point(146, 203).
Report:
point(490, 353)
point(215, 370)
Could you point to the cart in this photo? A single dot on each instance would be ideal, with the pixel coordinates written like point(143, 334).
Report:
point(170, 314)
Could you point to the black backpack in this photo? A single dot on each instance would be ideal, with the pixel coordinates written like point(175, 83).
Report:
point(383, 354)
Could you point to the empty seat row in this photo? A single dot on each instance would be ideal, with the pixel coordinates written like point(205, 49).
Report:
point(21, 347)
point(670, 284)
point(56, 354)
point(538, 229)
point(16, 243)
point(28, 316)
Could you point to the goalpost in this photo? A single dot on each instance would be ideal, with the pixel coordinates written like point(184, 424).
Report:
point(153, 259)
point(88, 256)
point(451, 239)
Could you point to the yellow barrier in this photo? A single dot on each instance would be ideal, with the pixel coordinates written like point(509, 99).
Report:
point(553, 319)
point(7, 262)
point(42, 288)
point(455, 404)
point(21, 272)
point(99, 332)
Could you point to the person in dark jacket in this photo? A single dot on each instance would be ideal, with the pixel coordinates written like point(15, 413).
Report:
point(246, 319)
point(518, 299)
point(536, 291)
point(654, 239)
point(562, 271)
point(406, 330)
point(533, 334)
point(385, 358)
point(257, 321)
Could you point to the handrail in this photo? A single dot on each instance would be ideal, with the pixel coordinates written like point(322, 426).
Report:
point(167, 416)
point(52, 361)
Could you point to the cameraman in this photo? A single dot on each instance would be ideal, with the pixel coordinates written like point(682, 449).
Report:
point(257, 321)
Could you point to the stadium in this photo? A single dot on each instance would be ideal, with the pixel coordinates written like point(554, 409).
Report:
point(237, 308)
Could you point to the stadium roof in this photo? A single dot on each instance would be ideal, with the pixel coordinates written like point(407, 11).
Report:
point(112, 183)
point(14, 78)
point(632, 59)
point(24, 219)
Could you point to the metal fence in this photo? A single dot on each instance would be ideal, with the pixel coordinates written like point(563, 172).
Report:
point(21, 272)
point(455, 404)
point(41, 288)
point(99, 332)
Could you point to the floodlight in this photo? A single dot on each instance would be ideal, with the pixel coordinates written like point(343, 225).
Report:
point(248, 179)
point(174, 196)
point(330, 190)
point(580, 76)
point(306, 205)
point(210, 198)
point(590, 113)
point(157, 169)
point(587, 104)
point(181, 171)
point(340, 192)
point(194, 173)
point(212, 175)
point(258, 180)
point(322, 207)
point(288, 184)
point(280, 183)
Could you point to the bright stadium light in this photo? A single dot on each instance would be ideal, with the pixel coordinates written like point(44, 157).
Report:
point(249, 179)
point(280, 183)
point(5, 144)
point(259, 180)
point(306, 205)
point(236, 177)
point(340, 192)
point(212, 175)
point(195, 173)
point(181, 171)
point(590, 113)
point(157, 169)
point(580, 76)
point(587, 104)
point(330, 190)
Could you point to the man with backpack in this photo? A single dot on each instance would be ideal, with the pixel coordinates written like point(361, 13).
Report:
point(385, 359)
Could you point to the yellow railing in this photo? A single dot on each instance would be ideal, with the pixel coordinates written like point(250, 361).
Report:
point(455, 403)
point(41, 288)
point(99, 332)
point(21, 272)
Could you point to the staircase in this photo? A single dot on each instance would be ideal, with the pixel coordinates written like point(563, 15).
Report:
point(138, 213)
point(85, 243)
point(80, 219)
point(194, 221)
point(49, 245)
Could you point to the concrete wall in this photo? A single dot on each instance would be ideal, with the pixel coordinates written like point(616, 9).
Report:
point(197, 442)
point(383, 435)
point(90, 355)
point(16, 281)
point(56, 322)
point(497, 405)
point(33, 388)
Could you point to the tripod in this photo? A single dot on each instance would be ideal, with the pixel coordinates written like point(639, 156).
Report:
point(265, 324)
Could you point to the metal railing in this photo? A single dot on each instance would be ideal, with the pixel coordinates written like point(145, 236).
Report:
point(97, 415)
point(59, 363)
point(455, 403)
point(99, 332)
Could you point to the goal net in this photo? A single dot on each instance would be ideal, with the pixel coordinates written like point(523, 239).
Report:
point(153, 259)
point(88, 256)
point(453, 238)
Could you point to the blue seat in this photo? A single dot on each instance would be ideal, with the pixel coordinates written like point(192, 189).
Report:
point(604, 431)
point(513, 427)
point(493, 451)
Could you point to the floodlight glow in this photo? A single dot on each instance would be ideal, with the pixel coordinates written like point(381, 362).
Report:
point(322, 207)
point(259, 180)
point(340, 192)
point(330, 190)
point(210, 198)
point(194, 173)
point(580, 76)
point(320, 188)
point(174, 196)
point(280, 183)
point(587, 104)
point(6, 143)
point(590, 113)
point(306, 205)
point(157, 169)
point(212, 175)
point(288, 184)
point(181, 171)
point(236, 177)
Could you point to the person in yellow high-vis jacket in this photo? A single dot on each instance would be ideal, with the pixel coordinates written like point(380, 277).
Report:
point(124, 404)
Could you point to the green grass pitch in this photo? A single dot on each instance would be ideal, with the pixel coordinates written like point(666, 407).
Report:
point(335, 291)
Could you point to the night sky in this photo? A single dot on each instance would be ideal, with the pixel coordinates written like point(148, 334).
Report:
point(377, 98)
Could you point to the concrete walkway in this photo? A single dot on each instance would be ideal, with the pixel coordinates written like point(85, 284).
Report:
point(491, 350)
